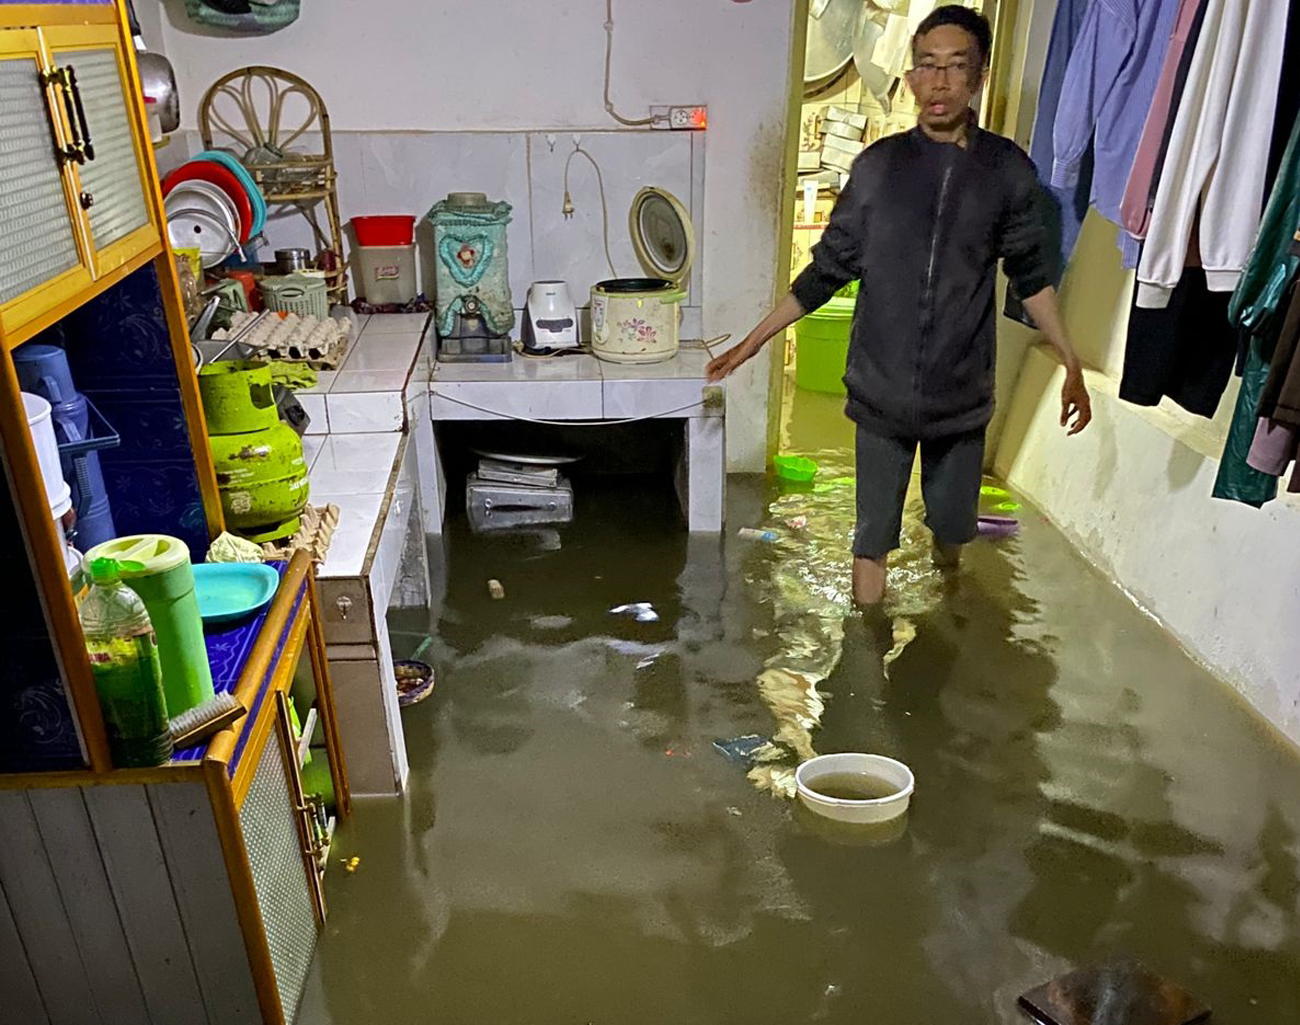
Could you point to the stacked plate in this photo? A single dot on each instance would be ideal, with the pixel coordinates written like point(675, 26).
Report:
point(213, 204)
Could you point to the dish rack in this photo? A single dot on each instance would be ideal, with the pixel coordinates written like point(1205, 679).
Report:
point(245, 110)
point(296, 293)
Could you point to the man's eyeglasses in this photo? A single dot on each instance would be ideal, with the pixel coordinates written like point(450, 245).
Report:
point(929, 72)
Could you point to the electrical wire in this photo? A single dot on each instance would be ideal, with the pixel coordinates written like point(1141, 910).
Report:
point(604, 205)
point(609, 51)
point(568, 423)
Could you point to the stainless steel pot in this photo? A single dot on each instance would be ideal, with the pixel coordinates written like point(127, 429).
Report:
point(287, 261)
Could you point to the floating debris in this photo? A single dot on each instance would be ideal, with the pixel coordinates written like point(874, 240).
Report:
point(741, 749)
point(641, 611)
point(904, 633)
point(496, 590)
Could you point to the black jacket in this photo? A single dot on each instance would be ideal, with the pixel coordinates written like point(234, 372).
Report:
point(922, 224)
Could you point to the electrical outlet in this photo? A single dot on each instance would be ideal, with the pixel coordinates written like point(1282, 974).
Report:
point(694, 119)
point(680, 118)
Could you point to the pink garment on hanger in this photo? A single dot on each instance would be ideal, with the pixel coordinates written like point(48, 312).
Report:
point(1134, 213)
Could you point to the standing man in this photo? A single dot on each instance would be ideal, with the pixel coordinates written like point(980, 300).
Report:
point(922, 222)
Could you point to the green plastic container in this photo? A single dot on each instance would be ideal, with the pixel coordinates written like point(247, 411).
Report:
point(799, 469)
point(165, 583)
point(237, 397)
point(822, 347)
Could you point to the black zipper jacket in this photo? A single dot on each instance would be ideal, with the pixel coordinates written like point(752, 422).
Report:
point(922, 224)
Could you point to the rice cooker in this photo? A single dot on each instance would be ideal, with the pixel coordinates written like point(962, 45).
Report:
point(636, 320)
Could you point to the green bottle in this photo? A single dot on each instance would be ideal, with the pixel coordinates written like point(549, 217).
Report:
point(128, 676)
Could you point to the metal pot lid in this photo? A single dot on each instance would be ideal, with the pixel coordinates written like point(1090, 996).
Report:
point(832, 24)
point(662, 235)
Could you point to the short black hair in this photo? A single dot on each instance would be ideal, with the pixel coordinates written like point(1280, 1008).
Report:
point(963, 17)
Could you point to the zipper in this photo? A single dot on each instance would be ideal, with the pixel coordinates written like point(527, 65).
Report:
point(927, 296)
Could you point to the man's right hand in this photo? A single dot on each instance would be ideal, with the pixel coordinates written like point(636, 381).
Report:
point(730, 361)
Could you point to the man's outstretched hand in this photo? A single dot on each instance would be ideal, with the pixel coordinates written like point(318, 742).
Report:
point(1076, 406)
point(731, 360)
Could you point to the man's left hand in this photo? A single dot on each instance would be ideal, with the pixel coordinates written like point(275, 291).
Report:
point(1076, 406)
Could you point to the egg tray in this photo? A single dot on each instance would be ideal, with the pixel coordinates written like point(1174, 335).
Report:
point(319, 343)
point(314, 534)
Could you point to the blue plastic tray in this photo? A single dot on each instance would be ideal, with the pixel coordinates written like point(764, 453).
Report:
point(229, 591)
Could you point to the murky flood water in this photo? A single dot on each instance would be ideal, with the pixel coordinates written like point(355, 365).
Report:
point(576, 849)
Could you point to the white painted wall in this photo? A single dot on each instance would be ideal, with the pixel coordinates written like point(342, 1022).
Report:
point(1133, 493)
point(518, 65)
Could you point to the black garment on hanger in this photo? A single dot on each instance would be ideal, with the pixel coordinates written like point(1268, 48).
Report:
point(1185, 351)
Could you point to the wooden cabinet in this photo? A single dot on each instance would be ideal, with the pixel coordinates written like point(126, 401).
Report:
point(72, 143)
point(44, 260)
point(190, 891)
point(110, 184)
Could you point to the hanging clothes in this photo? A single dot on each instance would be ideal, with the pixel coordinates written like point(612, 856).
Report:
point(1237, 480)
point(1259, 295)
point(1274, 448)
point(1062, 209)
point(1218, 156)
point(1109, 86)
point(1139, 192)
point(1185, 351)
point(1288, 94)
point(1280, 399)
point(1272, 264)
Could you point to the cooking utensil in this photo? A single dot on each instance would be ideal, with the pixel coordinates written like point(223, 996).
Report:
point(217, 175)
point(188, 226)
point(287, 261)
point(157, 77)
point(829, 47)
point(232, 164)
point(637, 320)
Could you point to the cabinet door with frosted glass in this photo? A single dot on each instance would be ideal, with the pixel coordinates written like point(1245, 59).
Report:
point(111, 178)
point(43, 258)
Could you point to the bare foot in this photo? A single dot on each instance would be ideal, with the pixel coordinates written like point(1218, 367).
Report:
point(869, 580)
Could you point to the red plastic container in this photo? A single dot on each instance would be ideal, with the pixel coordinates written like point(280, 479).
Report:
point(387, 230)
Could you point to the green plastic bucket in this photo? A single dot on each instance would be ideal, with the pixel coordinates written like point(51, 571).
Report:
point(822, 347)
point(165, 583)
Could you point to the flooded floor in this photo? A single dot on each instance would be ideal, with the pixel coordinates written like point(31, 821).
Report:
point(576, 849)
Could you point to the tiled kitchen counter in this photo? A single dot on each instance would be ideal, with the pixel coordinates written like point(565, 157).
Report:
point(369, 421)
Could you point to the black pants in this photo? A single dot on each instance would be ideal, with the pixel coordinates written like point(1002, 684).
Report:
point(952, 469)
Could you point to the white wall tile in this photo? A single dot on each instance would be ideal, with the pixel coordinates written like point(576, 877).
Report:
point(543, 400)
point(572, 249)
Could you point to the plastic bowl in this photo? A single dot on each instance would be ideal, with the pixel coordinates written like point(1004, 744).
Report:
point(228, 591)
point(880, 809)
point(384, 230)
point(800, 469)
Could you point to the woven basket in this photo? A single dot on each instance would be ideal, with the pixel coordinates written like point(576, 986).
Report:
point(296, 293)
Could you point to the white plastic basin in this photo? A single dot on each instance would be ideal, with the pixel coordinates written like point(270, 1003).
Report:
point(880, 809)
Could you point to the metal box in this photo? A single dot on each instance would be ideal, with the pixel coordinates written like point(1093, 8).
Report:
point(494, 505)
